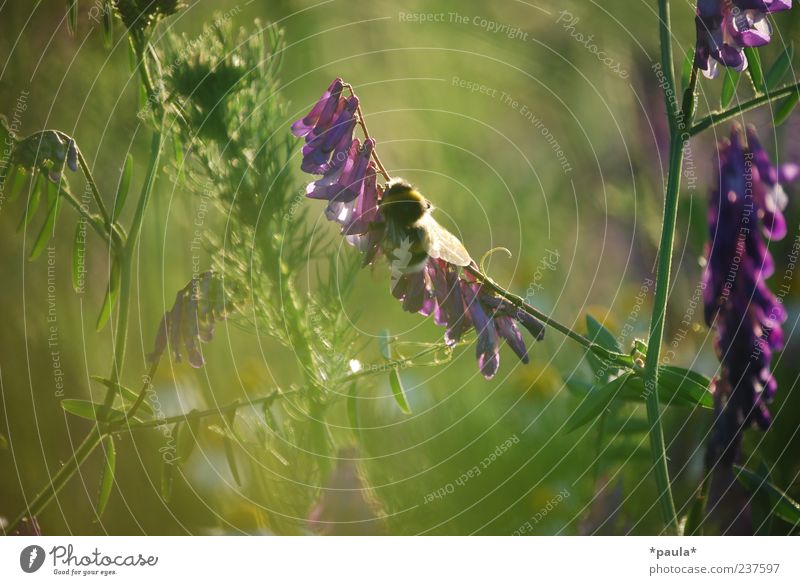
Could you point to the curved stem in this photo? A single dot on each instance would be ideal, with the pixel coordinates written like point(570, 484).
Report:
point(715, 118)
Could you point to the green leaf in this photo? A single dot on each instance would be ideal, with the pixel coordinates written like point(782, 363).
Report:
point(598, 334)
point(385, 344)
point(108, 25)
point(781, 504)
point(754, 69)
point(126, 393)
point(72, 16)
point(20, 176)
point(227, 443)
point(123, 187)
point(37, 187)
point(3, 441)
point(79, 257)
point(729, 87)
point(89, 410)
point(112, 292)
point(578, 387)
point(685, 385)
point(627, 426)
point(596, 402)
point(187, 438)
point(780, 67)
point(785, 109)
point(398, 391)
point(46, 232)
point(686, 70)
point(107, 479)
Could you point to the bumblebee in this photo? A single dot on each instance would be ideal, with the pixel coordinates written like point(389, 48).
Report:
point(412, 235)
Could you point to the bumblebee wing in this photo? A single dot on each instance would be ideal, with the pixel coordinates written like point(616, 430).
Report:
point(442, 244)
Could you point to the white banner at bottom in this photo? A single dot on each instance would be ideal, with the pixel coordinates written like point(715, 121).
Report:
point(406, 560)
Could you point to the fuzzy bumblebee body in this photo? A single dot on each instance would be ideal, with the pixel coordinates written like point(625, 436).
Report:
point(412, 234)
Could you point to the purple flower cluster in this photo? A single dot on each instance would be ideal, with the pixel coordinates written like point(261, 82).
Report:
point(192, 319)
point(435, 287)
point(744, 210)
point(458, 303)
point(349, 180)
point(726, 27)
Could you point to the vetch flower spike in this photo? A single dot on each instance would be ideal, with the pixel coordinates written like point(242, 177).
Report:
point(745, 209)
point(192, 319)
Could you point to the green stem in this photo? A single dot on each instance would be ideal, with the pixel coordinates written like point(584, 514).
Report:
point(236, 404)
point(657, 334)
point(60, 479)
point(125, 258)
point(98, 200)
point(97, 223)
point(657, 446)
point(715, 118)
point(123, 254)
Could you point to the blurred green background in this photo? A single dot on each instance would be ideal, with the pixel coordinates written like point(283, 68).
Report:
point(473, 106)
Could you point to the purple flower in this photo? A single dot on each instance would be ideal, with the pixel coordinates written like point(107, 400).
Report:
point(745, 209)
point(192, 319)
point(460, 304)
point(726, 27)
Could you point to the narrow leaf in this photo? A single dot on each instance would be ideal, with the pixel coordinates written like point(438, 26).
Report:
point(126, 393)
point(578, 387)
point(398, 391)
point(782, 505)
point(112, 292)
point(729, 87)
point(46, 232)
point(88, 409)
point(385, 344)
point(779, 68)
point(79, 257)
point(785, 109)
point(123, 187)
point(596, 403)
point(187, 438)
point(108, 25)
point(685, 385)
point(754, 68)
point(20, 176)
point(72, 16)
point(227, 443)
point(598, 334)
point(107, 480)
point(37, 187)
